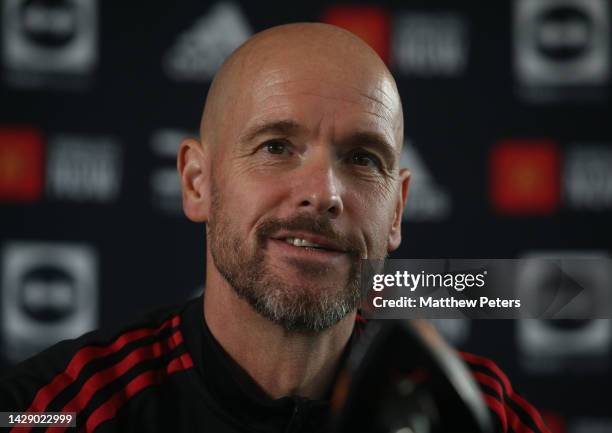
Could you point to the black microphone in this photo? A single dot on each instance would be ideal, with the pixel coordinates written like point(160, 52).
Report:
point(402, 377)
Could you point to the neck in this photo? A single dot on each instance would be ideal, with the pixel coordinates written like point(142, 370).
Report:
point(282, 363)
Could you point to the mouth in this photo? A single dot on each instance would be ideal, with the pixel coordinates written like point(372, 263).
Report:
point(310, 241)
point(305, 247)
point(303, 243)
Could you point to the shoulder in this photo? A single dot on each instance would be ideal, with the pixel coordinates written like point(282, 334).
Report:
point(511, 412)
point(100, 368)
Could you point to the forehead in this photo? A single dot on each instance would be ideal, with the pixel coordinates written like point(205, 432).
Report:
point(315, 96)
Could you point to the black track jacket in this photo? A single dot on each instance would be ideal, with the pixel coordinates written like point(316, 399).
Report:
point(167, 373)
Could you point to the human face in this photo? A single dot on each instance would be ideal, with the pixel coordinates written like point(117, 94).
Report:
point(304, 185)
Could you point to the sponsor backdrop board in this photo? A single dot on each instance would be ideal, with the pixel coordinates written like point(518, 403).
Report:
point(507, 109)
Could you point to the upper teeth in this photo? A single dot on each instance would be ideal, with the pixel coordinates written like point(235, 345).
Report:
point(301, 243)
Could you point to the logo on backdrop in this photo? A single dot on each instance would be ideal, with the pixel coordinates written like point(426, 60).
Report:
point(549, 346)
point(561, 49)
point(533, 177)
point(165, 182)
point(84, 169)
point(587, 177)
point(590, 425)
point(430, 44)
point(427, 200)
point(49, 42)
point(21, 164)
point(455, 331)
point(199, 51)
point(371, 23)
point(524, 177)
point(49, 293)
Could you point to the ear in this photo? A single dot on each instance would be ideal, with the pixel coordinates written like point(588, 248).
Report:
point(395, 235)
point(193, 167)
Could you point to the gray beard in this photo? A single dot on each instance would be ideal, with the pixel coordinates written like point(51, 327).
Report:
point(296, 308)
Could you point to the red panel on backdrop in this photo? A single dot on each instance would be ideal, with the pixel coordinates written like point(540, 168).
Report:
point(524, 177)
point(370, 23)
point(555, 422)
point(21, 164)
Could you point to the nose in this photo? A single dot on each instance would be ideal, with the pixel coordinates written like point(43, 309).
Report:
point(318, 188)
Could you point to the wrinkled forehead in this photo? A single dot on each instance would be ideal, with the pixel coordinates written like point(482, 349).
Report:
point(354, 91)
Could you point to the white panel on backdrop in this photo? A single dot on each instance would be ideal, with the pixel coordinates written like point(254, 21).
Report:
point(84, 168)
point(456, 331)
point(561, 44)
point(49, 293)
point(41, 37)
point(549, 346)
point(590, 425)
point(430, 44)
point(587, 177)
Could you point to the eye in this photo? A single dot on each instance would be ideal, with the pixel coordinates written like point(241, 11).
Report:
point(365, 159)
point(276, 147)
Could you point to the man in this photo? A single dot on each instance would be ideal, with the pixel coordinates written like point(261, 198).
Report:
point(297, 178)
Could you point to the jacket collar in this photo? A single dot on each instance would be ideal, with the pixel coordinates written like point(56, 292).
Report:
point(232, 392)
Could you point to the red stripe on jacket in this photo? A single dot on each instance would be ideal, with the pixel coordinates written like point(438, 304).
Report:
point(516, 424)
point(82, 358)
point(109, 409)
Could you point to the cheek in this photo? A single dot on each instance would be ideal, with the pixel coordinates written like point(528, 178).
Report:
point(250, 199)
point(374, 215)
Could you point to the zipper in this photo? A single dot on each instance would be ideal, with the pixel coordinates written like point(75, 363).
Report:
point(295, 423)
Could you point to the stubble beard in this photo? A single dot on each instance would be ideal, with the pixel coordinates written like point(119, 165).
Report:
point(304, 307)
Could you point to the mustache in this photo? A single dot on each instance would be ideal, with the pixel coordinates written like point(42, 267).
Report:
point(320, 226)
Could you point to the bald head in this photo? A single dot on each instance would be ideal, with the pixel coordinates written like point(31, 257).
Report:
point(306, 52)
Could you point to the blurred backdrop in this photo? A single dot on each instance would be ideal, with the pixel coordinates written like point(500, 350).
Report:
point(508, 135)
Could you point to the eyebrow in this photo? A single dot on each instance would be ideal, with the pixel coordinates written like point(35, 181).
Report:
point(290, 127)
point(375, 140)
point(283, 127)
